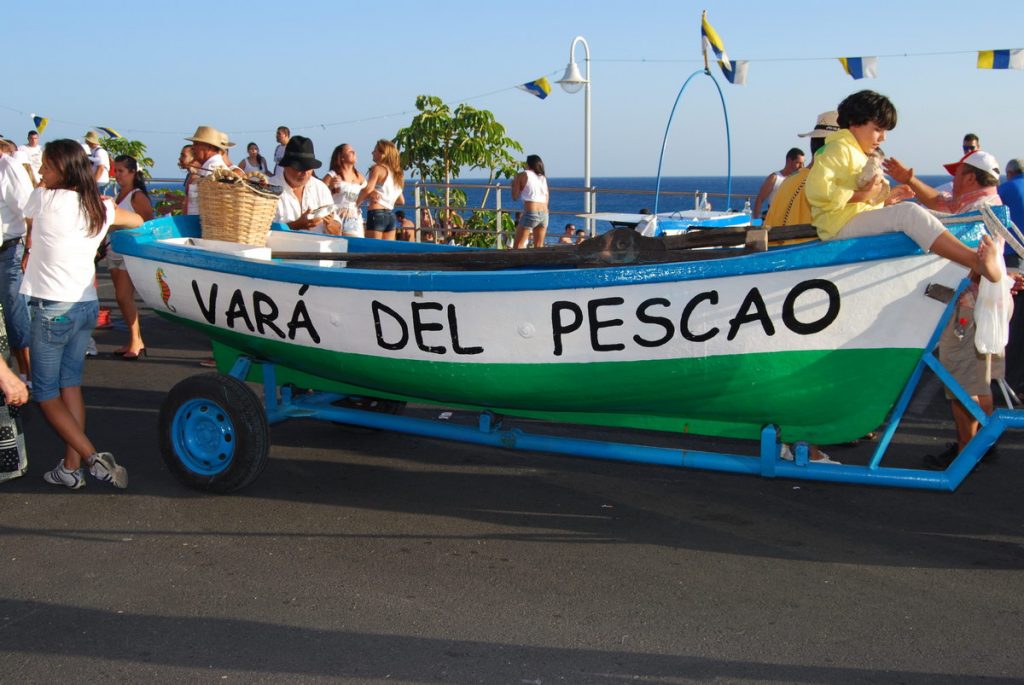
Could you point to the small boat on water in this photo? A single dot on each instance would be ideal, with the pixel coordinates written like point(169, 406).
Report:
point(817, 339)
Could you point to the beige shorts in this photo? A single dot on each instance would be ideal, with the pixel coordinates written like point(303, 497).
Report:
point(970, 369)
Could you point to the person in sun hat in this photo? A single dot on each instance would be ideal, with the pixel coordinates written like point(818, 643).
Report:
point(789, 206)
point(208, 144)
point(98, 157)
point(302, 194)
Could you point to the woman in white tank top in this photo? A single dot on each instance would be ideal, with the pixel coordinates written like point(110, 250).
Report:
point(254, 161)
point(345, 183)
point(383, 190)
point(132, 196)
point(531, 186)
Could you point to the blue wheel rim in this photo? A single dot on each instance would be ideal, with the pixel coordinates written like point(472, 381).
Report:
point(203, 437)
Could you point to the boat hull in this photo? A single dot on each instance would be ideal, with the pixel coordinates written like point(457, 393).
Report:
point(816, 339)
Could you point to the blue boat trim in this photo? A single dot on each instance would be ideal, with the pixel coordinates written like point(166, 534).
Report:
point(143, 242)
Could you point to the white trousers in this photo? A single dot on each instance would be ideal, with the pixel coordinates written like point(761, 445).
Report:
point(914, 220)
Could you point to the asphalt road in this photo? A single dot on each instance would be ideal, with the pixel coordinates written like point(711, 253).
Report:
point(364, 556)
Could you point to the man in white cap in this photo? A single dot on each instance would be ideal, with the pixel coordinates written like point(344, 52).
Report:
point(207, 145)
point(975, 180)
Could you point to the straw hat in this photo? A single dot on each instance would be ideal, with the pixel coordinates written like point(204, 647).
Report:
point(827, 123)
point(92, 138)
point(211, 136)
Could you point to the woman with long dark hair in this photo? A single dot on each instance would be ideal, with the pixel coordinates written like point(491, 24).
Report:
point(132, 196)
point(69, 220)
point(345, 183)
point(254, 161)
point(531, 185)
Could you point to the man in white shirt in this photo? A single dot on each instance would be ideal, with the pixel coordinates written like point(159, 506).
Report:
point(99, 158)
point(301, 193)
point(207, 146)
point(283, 136)
point(15, 189)
point(34, 151)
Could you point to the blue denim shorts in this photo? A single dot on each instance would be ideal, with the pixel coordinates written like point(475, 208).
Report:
point(60, 336)
point(380, 220)
point(532, 219)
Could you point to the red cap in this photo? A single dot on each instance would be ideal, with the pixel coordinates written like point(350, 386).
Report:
point(955, 166)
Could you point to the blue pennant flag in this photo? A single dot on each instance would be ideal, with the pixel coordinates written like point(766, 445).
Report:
point(860, 67)
point(540, 87)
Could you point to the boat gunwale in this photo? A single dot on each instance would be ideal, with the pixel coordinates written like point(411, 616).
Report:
point(144, 243)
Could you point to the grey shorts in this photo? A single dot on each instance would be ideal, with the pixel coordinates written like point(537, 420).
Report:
point(969, 368)
point(114, 260)
point(532, 219)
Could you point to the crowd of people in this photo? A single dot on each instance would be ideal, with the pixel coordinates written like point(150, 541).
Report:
point(55, 218)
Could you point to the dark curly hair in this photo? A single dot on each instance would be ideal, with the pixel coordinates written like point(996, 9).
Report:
point(867, 106)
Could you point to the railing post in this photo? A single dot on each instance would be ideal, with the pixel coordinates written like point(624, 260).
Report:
point(593, 210)
point(497, 215)
point(416, 209)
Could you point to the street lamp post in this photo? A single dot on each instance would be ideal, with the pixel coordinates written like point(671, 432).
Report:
point(571, 82)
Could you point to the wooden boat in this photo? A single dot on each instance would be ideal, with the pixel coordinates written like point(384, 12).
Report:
point(818, 339)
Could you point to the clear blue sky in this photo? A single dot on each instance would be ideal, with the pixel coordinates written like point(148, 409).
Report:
point(154, 71)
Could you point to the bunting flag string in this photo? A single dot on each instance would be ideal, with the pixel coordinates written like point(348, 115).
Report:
point(860, 67)
point(1001, 59)
point(540, 88)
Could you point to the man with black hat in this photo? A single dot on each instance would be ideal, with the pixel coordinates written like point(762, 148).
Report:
point(305, 199)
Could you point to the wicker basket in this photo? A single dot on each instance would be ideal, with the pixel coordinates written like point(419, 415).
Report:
point(235, 212)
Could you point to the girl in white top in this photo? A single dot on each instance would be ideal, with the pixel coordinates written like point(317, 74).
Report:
point(69, 219)
point(531, 186)
point(131, 196)
point(345, 183)
point(254, 161)
point(384, 190)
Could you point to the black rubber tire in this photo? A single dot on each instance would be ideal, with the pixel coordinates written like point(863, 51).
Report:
point(237, 408)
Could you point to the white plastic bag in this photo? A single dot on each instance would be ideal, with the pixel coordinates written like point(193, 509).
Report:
point(992, 312)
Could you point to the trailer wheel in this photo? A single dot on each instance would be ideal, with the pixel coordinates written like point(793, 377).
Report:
point(213, 433)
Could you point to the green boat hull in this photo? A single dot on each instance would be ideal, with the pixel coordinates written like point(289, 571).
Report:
point(736, 394)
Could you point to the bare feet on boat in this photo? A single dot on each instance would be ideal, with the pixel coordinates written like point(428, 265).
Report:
point(988, 260)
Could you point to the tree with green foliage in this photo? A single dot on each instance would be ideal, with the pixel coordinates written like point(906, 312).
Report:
point(133, 148)
point(440, 142)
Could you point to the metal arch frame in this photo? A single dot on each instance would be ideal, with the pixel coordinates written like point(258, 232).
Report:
point(728, 137)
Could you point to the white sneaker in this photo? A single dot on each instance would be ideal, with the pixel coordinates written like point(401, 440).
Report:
point(61, 476)
point(103, 467)
point(91, 350)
